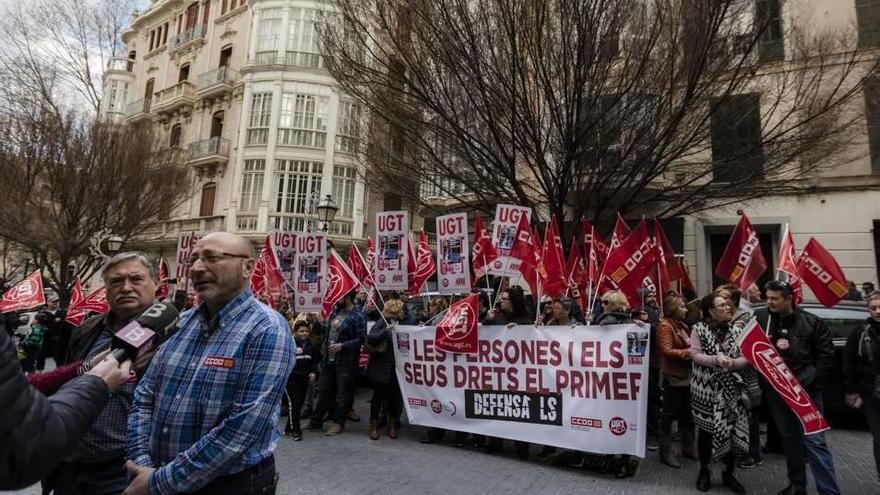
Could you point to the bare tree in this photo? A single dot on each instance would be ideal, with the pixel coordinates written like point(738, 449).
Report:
point(66, 180)
point(56, 50)
point(594, 106)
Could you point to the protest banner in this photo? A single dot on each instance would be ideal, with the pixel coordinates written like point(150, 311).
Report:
point(582, 388)
point(392, 237)
point(762, 355)
point(283, 242)
point(185, 243)
point(310, 270)
point(26, 294)
point(503, 236)
point(453, 249)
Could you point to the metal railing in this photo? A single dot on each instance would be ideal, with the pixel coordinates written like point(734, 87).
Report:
point(222, 75)
point(215, 146)
point(185, 37)
point(296, 59)
point(120, 63)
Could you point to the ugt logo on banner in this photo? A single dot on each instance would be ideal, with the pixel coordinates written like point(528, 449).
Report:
point(457, 332)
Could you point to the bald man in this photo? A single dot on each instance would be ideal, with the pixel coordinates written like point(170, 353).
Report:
point(205, 414)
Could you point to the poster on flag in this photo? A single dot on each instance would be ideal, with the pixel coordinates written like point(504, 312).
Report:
point(503, 236)
point(24, 295)
point(762, 355)
point(453, 246)
point(582, 388)
point(310, 270)
point(283, 242)
point(185, 243)
point(392, 239)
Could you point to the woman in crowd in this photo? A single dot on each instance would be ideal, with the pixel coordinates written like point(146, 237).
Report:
point(436, 306)
point(717, 390)
point(673, 336)
point(861, 371)
point(386, 390)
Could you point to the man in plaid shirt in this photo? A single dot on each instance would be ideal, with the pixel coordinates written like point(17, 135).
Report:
point(205, 415)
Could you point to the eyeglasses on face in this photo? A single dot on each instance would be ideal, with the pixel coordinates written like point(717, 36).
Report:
point(212, 257)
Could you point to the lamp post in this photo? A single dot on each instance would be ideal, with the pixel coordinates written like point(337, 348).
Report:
point(104, 244)
point(326, 210)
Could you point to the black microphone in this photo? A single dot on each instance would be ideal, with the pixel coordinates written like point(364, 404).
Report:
point(145, 333)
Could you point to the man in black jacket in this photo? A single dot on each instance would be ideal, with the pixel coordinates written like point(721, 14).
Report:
point(36, 433)
point(861, 372)
point(804, 342)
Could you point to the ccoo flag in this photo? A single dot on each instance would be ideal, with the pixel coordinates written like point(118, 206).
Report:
point(742, 262)
point(822, 274)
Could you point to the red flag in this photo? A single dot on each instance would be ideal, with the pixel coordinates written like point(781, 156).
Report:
point(424, 266)
point(163, 290)
point(742, 262)
point(81, 306)
point(620, 233)
point(593, 255)
point(673, 264)
point(24, 295)
point(457, 332)
point(631, 263)
point(686, 282)
point(593, 240)
point(525, 251)
point(266, 279)
point(358, 266)
point(371, 258)
point(788, 266)
point(663, 278)
point(822, 274)
point(552, 265)
point(576, 269)
point(484, 252)
point(758, 351)
point(340, 281)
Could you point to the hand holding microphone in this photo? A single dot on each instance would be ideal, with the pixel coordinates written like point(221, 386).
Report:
point(111, 372)
point(139, 339)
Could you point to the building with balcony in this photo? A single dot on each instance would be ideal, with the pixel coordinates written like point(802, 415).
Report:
point(239, 88)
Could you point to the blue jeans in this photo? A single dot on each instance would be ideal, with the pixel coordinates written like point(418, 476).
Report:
point(336, 393)
point(800, 448)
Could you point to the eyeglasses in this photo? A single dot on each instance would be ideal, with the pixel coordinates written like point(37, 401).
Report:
point(212, 258)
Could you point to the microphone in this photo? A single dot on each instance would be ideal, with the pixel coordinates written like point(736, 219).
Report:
point(145, 333)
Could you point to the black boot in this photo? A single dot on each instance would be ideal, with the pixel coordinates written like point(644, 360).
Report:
point(732, 483)
point(704, 479)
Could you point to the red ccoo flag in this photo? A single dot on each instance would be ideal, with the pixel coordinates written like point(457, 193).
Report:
point(266, 279)
point(484, 252)
point(593, 240)
point(526, 252)
point(663, 278)
point(340, 281)
point(24, 295)
point(576, 269)
point(358, 266)
point(163, 290)
point(80, 305)
point(620, 233)
point(742, 262)
point(822, 274)
point(457, 332)
point(552, 265)
point(628, 265)
point(673, 264)
point(424, 266)
point(788, 266)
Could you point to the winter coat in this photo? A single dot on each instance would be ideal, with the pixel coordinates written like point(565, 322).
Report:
point(381, 367)
point(809, 352)
point(674, 347)
point(308, 359)
point(861, 360)
point(37, 433)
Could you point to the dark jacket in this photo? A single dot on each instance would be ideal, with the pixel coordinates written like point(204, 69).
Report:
point(861, 360)
point(502, 318)
point(83, 337)
point(308, 359)
point(809, 353)
point(381, 367)
point(37, 433)
point(614, 318)
point(351, 333)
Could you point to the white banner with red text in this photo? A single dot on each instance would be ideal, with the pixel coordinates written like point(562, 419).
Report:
point(582, 388)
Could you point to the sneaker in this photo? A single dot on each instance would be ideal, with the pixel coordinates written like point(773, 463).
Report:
point(748, 463)
point(297, 437)
point(335, 429)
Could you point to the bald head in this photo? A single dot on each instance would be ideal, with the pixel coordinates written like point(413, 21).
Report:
point(221, 268)
point(228, 242)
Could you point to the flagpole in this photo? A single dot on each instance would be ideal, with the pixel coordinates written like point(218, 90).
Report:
point(486, 273)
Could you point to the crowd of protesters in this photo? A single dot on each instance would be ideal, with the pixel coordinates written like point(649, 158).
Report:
point(704, 400)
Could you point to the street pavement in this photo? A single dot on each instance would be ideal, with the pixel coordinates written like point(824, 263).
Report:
point(353, 464)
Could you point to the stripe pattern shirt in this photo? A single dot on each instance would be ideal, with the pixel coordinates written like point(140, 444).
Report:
point(208, 406)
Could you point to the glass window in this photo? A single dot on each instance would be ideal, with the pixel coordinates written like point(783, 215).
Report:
point(251, 185)
point(258, 123)
point(303, 120)
point(736, 139)
point(348, 130)
point(270, 30)
point(343, 189)
point(295, 182)
point(302, 40)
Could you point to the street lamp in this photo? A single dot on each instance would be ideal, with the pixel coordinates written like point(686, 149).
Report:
point(326, 210)
point(104, 244)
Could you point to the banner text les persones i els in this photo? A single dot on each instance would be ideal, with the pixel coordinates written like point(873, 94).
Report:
point(582, 388)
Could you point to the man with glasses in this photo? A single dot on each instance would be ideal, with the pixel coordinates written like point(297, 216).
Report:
point(96, 465)
point(804, 342)
point(205, 414)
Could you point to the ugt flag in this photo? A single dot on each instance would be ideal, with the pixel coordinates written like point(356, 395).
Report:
point(81, 305)
point(340, 281)
point(822, 274)
point(457, 332)
point(24, 295)
point(742, 262)
point(758, 350)
point(788, 266)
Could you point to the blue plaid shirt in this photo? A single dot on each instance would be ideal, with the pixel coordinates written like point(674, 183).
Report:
point(208, 406)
